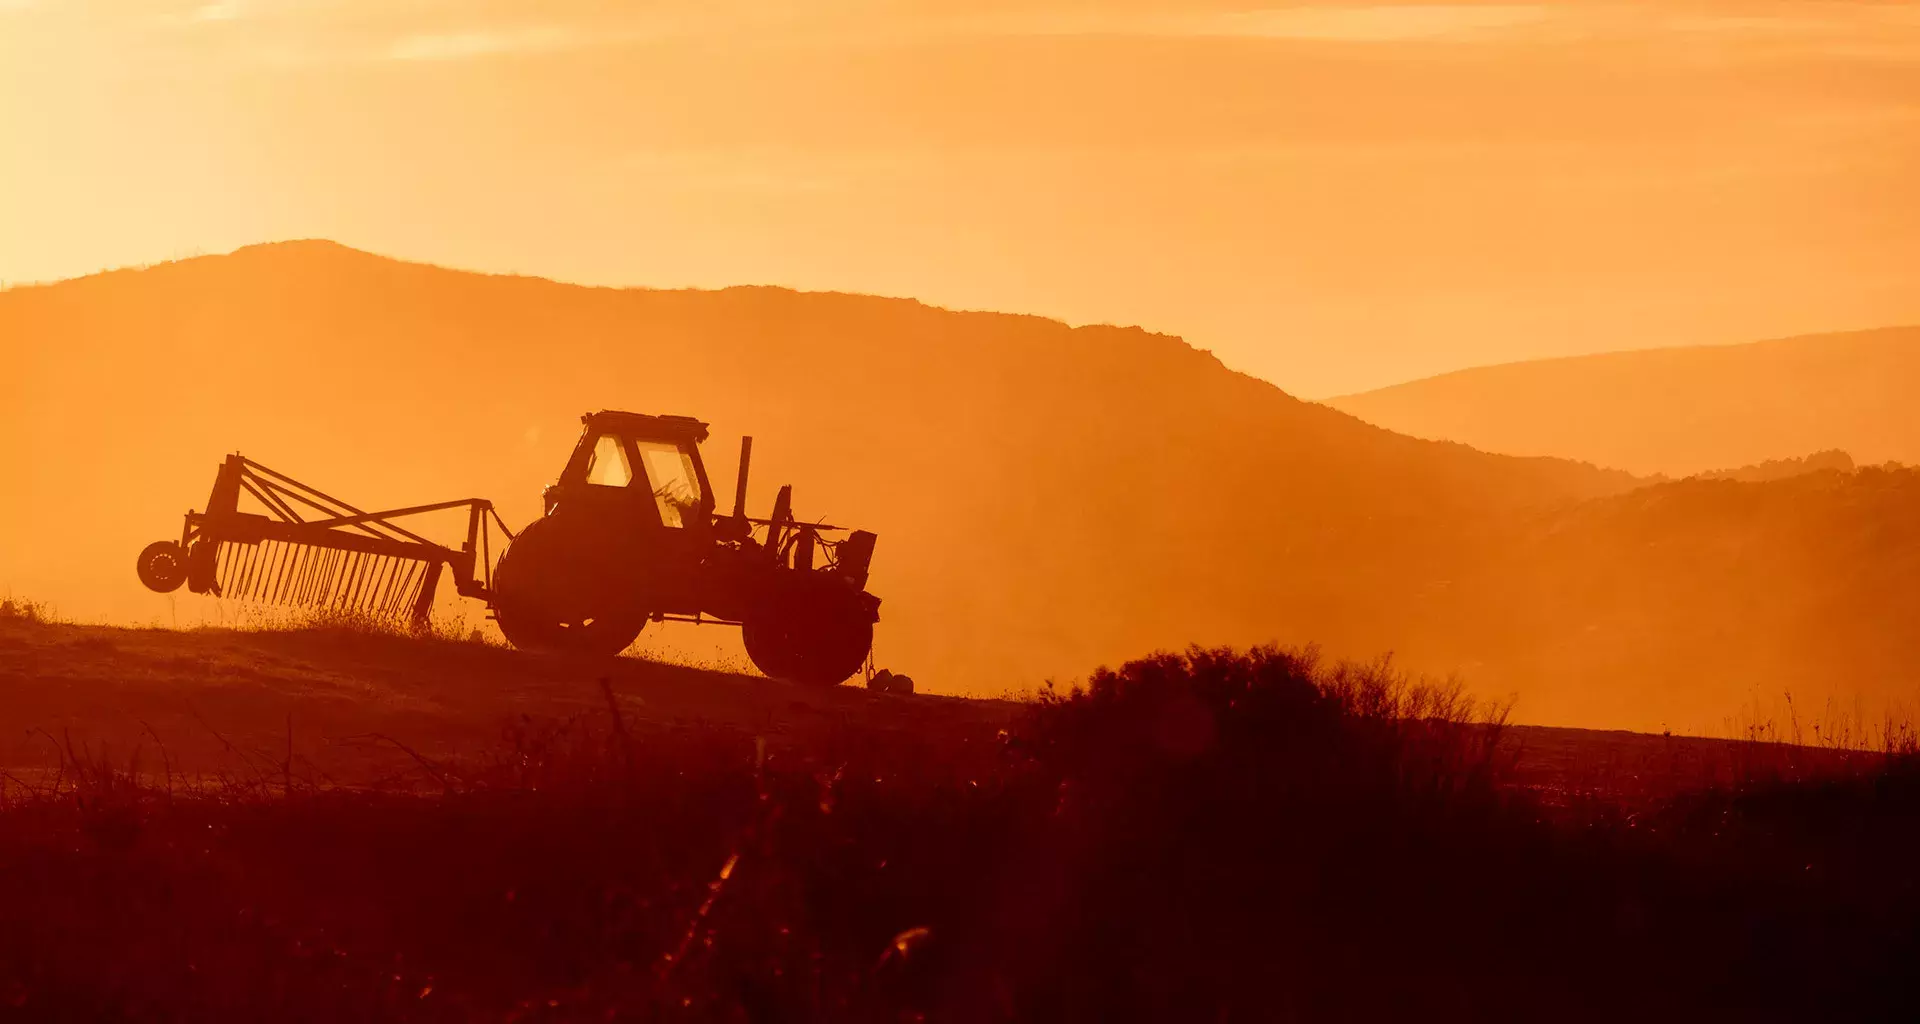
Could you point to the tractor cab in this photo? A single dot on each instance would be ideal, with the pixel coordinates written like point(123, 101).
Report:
point(644, 467)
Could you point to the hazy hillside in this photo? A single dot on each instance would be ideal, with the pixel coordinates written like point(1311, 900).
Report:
point(1677, 411)
point(1704, 600)
point(1047, 498)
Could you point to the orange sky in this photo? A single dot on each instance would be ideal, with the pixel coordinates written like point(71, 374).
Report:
point(1331, 196)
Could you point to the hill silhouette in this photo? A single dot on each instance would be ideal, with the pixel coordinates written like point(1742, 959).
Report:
point(1782, 469)
point(1047, 498)
point(1677, 411)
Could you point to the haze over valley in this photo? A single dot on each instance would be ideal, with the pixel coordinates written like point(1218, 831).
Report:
point(1047, 498)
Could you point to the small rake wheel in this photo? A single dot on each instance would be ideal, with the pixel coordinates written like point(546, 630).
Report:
point(162, 566)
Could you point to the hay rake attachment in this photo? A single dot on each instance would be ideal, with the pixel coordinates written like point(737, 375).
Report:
point(310, 550)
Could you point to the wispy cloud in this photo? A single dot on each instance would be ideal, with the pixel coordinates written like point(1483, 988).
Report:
point(1812, 26)
point(483, 43)
point(1382, 24)
point(224, 10)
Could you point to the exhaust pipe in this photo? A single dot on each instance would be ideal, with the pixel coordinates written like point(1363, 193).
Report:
point(740, 482)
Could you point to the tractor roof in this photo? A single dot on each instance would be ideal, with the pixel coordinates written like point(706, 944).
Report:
point(666, 428)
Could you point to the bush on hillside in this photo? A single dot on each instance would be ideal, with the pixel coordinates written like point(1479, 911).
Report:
point(1208, 836)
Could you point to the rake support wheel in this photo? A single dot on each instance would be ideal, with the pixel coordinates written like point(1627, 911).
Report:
point(162, 566)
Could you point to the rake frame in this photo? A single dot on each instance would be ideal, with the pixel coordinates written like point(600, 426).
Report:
point(348, 571)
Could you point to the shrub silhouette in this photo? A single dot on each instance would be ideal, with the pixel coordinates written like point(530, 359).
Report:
point(1214, 835)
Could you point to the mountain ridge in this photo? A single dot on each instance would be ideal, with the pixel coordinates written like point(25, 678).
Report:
point(1048, 498)
point(1676, 411)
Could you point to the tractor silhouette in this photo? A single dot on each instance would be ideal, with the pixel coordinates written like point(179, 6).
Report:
point(629, 535)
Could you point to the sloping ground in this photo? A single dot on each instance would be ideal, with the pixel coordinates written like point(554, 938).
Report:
point(1215, 836)
point(1677, 411)
point(355, 707)
point(333, 705)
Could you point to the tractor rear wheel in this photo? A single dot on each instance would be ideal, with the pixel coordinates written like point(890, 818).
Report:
point(818, 634)
point(574, 631)
point(554, 592)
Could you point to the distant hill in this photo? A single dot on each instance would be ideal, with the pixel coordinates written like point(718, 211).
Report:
point(1047, 498)
point(1781, 469)
point(1677, 411)
point(1707, 599)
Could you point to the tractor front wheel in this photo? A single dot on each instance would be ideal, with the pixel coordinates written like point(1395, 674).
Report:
point(817, 635)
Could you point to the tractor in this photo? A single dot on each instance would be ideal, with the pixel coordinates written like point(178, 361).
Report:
point(629, 535)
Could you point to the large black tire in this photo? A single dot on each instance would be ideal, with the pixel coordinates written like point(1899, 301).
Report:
point(818, 633)
point(162, 566)
point(553, 591)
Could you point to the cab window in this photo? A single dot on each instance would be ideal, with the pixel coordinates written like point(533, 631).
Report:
point(676, 487)
point(608, 466)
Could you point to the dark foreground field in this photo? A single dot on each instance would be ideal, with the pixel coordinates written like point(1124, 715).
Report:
point(329, 825)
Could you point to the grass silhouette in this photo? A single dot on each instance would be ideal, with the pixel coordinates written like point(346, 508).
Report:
point(1214, 835)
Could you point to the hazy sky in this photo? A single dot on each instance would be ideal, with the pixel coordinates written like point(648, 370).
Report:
point(1331, 196)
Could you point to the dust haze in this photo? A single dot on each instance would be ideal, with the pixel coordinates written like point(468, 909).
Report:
point(1325, 511)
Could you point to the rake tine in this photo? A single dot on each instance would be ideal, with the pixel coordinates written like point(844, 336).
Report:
point(301, 556)
point(322, 573)
point(322, 577)
point(316, 577)
point(369, 572)
point(358, 580)
point(305, 573)
point(262, 562)
point(264, 571)
point(395, 579)
point(421, 585)
point(306, 576)
point(243, 583)
point(371, 585)
point(324, 597)
point(229, 567)
point(395, 573)
point(277, 575)
point(417, 587)
point(398, 603)
point(416, 576)
point(410, 594)
point(376, 600)
point(275, 572)
point(317, 582)
point(342, 601)
point(336, 565)
point(409, 569)
point(291, 573)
